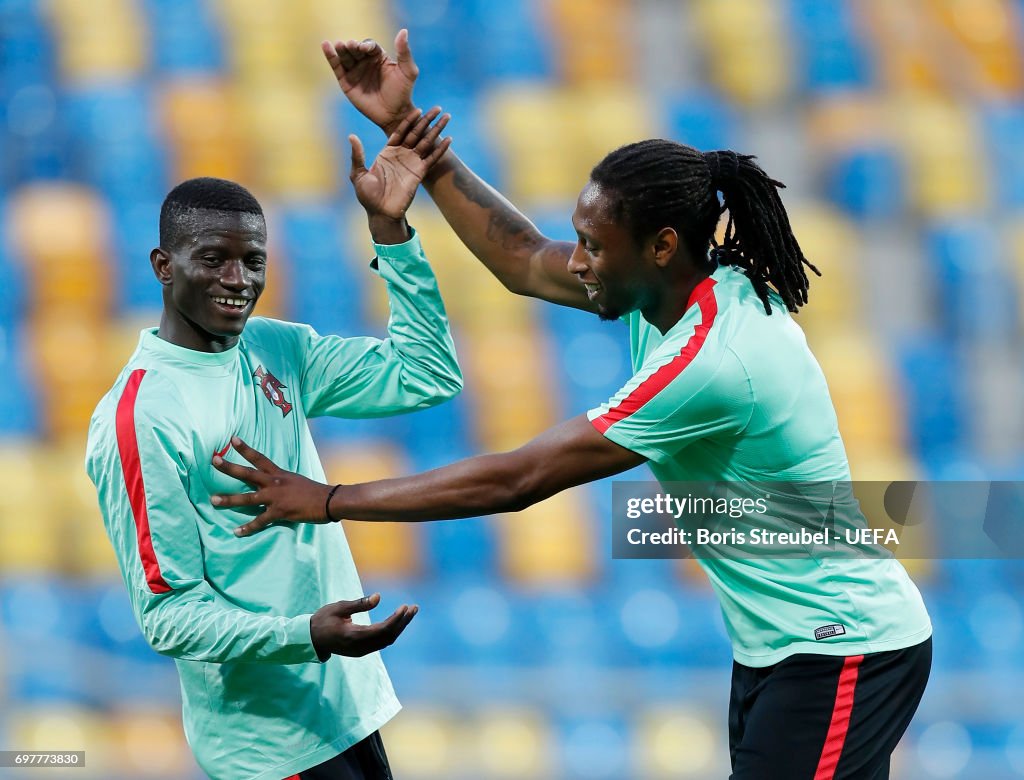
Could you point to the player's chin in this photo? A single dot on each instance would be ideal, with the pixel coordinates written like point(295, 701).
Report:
point(608, 313)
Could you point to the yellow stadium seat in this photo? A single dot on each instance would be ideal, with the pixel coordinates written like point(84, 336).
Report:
point(290, 143)
point(511, 743)
point(64, 727)
point(987, 31)
point(204, 138)
point(148, 742)
point(424, 742)
point(839, 121)
point(69, 355)
point(99, 41)
point(943, 147)
point(678, 742)
point(536, 131)
point(89, 550)
point(607, 119)
point(747, 49)
point(862, 388)
point(550, 543)
point(355, 19)
point(30, 538)
point(830, 242)
point(84, 236)
point(586, 31)
point(379, 549)
point(906, 56)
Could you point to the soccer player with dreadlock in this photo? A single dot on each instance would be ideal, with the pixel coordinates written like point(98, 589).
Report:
point(831, 654)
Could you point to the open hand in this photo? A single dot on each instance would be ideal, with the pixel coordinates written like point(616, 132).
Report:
point(377, 85)
point(334, 633)
point(285, 495)
point(389, 187)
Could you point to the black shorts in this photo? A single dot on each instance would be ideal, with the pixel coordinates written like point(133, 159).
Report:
point(819, 717)
point(365, 760)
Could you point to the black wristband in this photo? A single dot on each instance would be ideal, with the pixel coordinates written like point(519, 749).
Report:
point(327, 504)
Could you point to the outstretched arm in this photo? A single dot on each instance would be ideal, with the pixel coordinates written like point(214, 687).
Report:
point(505, 241)
point(569, 454)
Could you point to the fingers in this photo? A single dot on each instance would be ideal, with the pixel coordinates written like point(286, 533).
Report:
point(236, 470)
point(438, 152)
point(365, 604)
point(416, 133)
point(387, 631)
point(232, 500)
point(343, 55)
point(428, 141)
point(253, 526)
point(255, 457)
point(358, 157)
point(396, 137)
point(404, 54)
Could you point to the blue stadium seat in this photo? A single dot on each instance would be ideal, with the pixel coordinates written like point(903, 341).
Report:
point(932, 380)
point(595, 745)
point(868, 182)
point(514, 41)
point(327, 283)
point(1004, 129)
point(185, 37)
point(831, 54)
point(975, 290)
point(136, 233)
point(19, 401)
point(702, 120)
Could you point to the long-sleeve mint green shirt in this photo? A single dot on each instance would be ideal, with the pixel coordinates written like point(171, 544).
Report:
point(234, 613)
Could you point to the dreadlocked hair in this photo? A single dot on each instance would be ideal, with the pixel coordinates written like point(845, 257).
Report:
point(657, 183)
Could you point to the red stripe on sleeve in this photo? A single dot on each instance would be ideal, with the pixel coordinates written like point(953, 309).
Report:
point(128, 446)
point(661, 378)
point(840, 719)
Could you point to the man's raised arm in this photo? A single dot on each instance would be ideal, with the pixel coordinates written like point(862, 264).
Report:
point(505, 241)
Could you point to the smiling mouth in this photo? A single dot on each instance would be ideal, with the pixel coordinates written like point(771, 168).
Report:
point(234, 305)
point(592, 290)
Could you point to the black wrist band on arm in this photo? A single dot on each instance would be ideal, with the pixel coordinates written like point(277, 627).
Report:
point(327, 504)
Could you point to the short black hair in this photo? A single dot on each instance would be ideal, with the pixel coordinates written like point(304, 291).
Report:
point(659, 183)
point(207, 194)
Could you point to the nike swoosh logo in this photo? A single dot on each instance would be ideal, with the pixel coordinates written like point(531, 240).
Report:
point(223, 451)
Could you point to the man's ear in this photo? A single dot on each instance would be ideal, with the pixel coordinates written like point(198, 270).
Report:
point(664, 246)
point(161, 263)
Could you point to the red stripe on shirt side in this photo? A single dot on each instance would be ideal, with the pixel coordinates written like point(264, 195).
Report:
point(840, 724)
point(131, 465)
point(661, 378)
point(293, 777)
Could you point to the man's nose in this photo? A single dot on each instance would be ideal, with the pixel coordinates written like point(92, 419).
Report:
point(233, 275)
point(575, 265)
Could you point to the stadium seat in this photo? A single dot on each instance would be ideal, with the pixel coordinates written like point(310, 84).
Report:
point(585, 32)
point(100, 41)
point(511, 742)
point(1004, 127)
point(941, 143)
point(185, 39)
point(830, 55)
point(747, 50)
point(702, 120)
point(931, 376)
point(549, 543)
point(969, 267)
point(203, 136)
point(868, 183)
point(678, 741)
point(30, 539)
point(426, 742)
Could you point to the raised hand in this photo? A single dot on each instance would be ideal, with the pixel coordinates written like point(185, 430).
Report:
point(334, 633)
point(389, 186)
point(379, 86)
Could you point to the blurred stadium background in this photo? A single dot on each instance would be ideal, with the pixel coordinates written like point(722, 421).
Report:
point(899, 128)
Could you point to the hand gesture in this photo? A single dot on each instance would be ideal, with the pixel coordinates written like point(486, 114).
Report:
point(334, 633)
point(379, 86)
point(390, 185)
point(286, 496)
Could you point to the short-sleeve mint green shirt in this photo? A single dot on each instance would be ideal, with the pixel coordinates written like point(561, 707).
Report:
point(731, 394)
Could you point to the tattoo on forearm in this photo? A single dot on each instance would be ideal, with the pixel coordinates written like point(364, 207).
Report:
point(505, 225)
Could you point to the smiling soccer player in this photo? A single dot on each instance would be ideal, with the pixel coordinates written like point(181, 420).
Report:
point(274, 684)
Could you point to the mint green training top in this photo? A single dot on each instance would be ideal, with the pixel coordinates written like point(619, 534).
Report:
point(234, 613)
point(732, 395)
